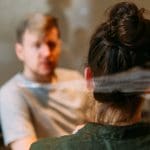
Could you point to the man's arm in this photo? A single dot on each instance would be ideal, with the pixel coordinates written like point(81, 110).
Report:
point(16, 121)
point(23, 144)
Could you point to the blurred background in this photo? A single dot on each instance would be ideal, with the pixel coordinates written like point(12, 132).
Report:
point(77, 18)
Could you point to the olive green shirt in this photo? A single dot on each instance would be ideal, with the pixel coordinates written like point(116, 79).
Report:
point(101, 137)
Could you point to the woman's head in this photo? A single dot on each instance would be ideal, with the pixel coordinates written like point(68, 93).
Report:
point(119, 44)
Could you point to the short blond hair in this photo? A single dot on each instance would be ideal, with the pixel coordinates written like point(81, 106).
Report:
point(37, 23)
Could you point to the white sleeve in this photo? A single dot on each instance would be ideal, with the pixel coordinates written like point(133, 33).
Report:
point(15, 115)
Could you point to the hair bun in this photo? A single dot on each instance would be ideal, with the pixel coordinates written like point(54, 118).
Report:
point(126, 23)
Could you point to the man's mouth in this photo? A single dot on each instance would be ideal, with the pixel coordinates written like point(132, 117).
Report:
point(45, 63)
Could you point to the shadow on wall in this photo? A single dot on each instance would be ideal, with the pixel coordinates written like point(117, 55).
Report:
point(8, 70)
point(79, 47)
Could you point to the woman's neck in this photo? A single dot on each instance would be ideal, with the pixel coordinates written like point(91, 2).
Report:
point(114, 116)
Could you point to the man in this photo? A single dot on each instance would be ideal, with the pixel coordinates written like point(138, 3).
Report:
point(31, 106)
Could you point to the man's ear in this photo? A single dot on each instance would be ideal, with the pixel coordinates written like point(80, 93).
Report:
point(88, 77)
point(19, 51)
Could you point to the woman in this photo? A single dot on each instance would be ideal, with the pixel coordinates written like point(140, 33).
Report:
point(119, 44)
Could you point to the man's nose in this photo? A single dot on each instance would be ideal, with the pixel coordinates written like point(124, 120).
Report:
point(45, 50)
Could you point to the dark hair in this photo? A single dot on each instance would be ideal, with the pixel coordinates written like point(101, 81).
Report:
point(120, 43)
point(37, 22)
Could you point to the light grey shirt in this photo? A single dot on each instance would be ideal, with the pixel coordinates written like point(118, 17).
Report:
point(28, 108)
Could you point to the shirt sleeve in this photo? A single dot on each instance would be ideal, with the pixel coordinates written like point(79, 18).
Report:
point(15, 115)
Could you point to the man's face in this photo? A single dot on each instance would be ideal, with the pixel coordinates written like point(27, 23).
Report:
point(39, 55)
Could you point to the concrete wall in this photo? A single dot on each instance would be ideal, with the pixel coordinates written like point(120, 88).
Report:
point(78, 19)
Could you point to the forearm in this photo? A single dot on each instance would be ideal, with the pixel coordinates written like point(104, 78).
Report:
point(23, 144)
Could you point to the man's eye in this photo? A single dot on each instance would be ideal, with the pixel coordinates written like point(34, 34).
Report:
point(52, 45)
point(38, 45)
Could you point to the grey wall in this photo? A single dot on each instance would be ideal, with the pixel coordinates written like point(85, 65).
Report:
point(78, 19)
